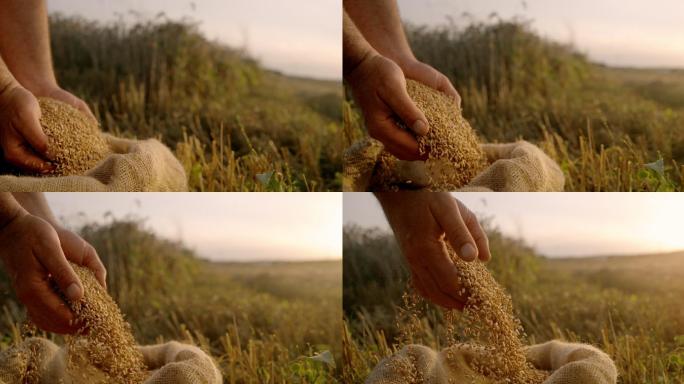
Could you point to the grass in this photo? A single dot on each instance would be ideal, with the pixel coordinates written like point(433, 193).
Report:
point(234, 125)
point(260, 323)
point(630, 307)
point(610, 129)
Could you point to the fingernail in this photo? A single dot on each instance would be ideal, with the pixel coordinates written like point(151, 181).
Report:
point(420, 127)
point(468, 252)
point(73, 292)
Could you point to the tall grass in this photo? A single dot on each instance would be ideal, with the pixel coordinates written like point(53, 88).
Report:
point(604, 126)
point(233, 125)
point(637, 322)
point(255, 319)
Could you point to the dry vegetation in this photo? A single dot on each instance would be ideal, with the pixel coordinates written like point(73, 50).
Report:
point(609, 129)
point(257, 320)
point(234, 125)
point(630, 307)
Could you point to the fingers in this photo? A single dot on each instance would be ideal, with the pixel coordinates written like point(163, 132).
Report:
point(399, 101)
point(92, 261)
point(22, 157)
point(428, 288)
point(49, 253)
point(445, 211)
point(476, 231)
point(45, 308)
point(397, 141)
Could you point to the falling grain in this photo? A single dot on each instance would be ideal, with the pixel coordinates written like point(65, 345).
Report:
point(104, 339)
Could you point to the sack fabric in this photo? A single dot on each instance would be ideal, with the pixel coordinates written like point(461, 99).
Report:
point(46, 363)
point(568, 363)
point(513, 167)
point(133, 166)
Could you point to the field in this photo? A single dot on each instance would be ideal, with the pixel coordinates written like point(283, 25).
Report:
point(260, 323)
point(610, 129)
point(630, 307)
point(234, 125)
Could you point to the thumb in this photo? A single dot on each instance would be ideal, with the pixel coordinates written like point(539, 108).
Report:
point(403, 106)
point(54, 260)
point(447, 214)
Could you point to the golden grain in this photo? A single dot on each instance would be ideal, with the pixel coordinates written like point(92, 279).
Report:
point(75, 143)
point(104, 339)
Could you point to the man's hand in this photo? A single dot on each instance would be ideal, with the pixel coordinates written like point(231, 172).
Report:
point(23, 142)
point(424, 73)
point(422, 221)
point(57, 93)
point(35, 254)
point(379, 87)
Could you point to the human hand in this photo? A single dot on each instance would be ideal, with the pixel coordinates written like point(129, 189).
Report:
point(422, 221)
point(379, 87)
point(426, 74)
point(57, 93)
point(35, 254)
point(23, 142)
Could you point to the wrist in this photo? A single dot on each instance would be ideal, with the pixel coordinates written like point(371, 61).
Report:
point(405, 60)
point(351, 68)
point(39, 87)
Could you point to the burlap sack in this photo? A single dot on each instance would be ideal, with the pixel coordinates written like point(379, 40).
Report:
point(569, 363)
point(39, 361)
point(514, 167)
point(133, 166)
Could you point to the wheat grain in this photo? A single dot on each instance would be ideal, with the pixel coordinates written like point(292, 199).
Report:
point(75, 143)
point(104, 339)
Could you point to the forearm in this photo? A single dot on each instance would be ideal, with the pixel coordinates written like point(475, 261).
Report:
point(25, 43)
point(380, 23)
point(36, 204)
point(9, 208)
point(354, 47)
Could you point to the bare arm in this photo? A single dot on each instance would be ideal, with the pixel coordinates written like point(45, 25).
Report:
point(25, 43)
point(354, 46)
point(36, 204)
point(380, 24)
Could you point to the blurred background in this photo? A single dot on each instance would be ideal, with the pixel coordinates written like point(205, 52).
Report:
point(222, 271)
point(628, 33)
point(598, 85)
point(298, 37)
point(605, 269)
point(246, 93)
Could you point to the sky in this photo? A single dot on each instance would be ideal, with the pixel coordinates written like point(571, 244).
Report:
point(297, 37)
point(616, 32)
point(223, 226)
point(564, 224)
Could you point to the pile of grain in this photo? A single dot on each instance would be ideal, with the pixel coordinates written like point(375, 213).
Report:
point(75, 143)
point(452, 147)
point(488, 327)
point(104, 339)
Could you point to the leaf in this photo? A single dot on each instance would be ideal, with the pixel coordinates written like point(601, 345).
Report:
point(324, 357)
point(265, 178)
point(658, 166)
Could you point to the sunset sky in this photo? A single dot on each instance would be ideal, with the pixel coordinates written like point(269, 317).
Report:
point(298, 37)
point(565, 224)
point(224, 226)
point(617, 32)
